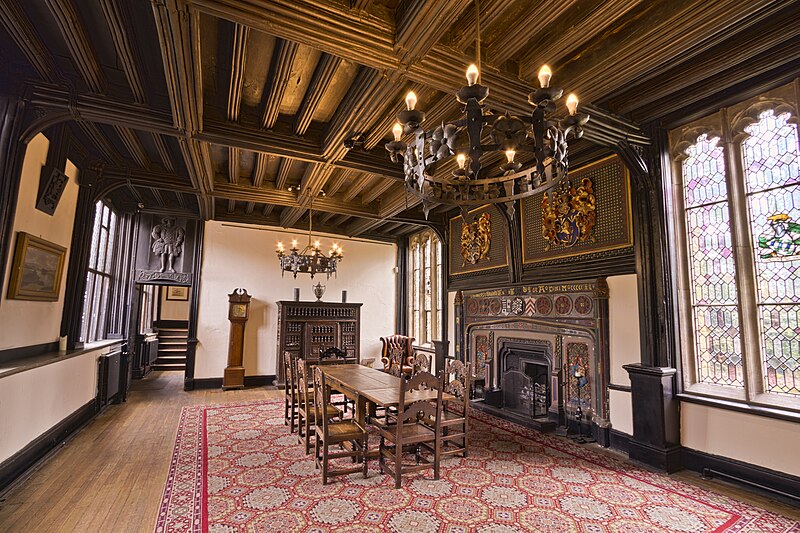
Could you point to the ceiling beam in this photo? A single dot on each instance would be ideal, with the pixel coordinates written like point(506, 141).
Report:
point(238, 62)
point(282, 175)
point(290, 216)
point(337, 30)
point(267, 209)
point(248, 208)
point(233, 165)
point(231, 206)
point(330, 27)
point(421, 24)
point(376, 188)
point(321, 79)
point(125, 52)
point(314, 178)
point(271, 195)
point(100, 142)
point(337, 180)
point(133, 145)
point(70, 25)
point(163, 152)
point(21, 30)
point(259, 169)
point(648, 44)
point(178, 30)
point(541, 16)
point(562, 35)
point(279, 72)
point(357, 185)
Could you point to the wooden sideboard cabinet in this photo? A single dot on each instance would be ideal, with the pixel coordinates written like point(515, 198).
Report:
point(306, 328)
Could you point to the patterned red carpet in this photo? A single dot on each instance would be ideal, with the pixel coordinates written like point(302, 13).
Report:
point(236, 468)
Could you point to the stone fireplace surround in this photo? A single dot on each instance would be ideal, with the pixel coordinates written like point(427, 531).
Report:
point(507, 333)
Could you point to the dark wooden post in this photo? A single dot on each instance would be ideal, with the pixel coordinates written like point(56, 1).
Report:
point(12, 152)
point(80, 248)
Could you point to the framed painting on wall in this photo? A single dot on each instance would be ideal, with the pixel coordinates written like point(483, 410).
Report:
point(177, 293)
point(36, 270)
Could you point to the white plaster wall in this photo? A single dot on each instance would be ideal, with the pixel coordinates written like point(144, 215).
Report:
point(753, 439)
point(623, 322)
point(23, 322)
point(33, 401)
point(239, 255)
point(621, 411)
point(174, 309)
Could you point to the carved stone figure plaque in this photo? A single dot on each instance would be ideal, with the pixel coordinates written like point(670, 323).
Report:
point(165, 249)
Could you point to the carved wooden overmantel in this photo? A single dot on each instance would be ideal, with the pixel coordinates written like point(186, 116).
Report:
point(165, 249)
point(570, 320)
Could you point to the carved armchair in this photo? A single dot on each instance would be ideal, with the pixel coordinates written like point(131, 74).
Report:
point(398, 352)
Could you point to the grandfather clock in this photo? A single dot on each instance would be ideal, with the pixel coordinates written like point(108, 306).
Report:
point(238, 307)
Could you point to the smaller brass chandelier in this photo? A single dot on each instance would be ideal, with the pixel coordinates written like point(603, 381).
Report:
point(311, 259)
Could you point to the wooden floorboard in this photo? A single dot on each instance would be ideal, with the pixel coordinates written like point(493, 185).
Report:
point(110, 475)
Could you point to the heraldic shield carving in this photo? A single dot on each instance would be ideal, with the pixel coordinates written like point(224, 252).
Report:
point(569, 216)
point(475, 239)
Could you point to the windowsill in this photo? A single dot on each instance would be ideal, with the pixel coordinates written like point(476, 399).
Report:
point(757, 410)
point(15, 366)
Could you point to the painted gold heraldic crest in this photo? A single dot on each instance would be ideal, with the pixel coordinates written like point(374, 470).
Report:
point(475, 239)
point(568, 216)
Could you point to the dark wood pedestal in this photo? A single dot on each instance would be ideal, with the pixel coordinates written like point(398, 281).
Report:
point(656, 417)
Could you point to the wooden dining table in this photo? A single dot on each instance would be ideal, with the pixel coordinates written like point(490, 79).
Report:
point(369, 387)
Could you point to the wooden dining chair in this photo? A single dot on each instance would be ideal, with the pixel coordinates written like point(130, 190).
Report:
point(455, 419)
point(329, 433)
point(409, 430)
point(336, 356)
point(422, 362)
point(290, 394)
point(306, 413)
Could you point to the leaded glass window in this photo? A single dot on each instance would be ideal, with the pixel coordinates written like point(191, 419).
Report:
point(737, 209)
point(773, 199)
point(425, 255)
point(713, 273)
point(100, 275)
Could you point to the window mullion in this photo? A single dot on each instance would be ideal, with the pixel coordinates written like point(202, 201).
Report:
point(744, 261)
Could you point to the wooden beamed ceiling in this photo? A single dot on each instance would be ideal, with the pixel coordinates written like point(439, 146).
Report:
point(239, 109)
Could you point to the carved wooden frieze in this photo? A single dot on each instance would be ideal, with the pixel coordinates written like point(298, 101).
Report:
point(590, 213)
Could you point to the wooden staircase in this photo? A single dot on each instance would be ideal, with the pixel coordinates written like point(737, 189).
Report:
point(171, 349)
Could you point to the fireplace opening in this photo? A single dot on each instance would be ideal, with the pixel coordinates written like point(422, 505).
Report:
point(525, 378)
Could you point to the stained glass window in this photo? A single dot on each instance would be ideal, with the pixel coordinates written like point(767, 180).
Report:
point(741, 222)
point(424, 290)
point(717, 340)
point(772, 174)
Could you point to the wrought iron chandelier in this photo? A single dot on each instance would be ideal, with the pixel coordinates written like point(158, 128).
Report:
point(473, 139)
point(311, 259)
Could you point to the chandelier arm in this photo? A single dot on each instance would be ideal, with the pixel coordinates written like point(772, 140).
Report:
point(499, 200)
point(530, 172)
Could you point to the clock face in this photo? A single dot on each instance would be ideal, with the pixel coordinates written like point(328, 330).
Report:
point(239, 311)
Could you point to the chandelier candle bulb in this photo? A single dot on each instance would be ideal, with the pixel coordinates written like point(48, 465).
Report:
point(510, 155)
point(294, 244)
point(544, 76)
point(397, 131)
point(472, 75)
point(461, 159)
point(411, 100)
point(572, 104)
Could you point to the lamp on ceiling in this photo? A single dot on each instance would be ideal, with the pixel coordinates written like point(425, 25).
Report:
point(311, 259)
point(482, 138)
